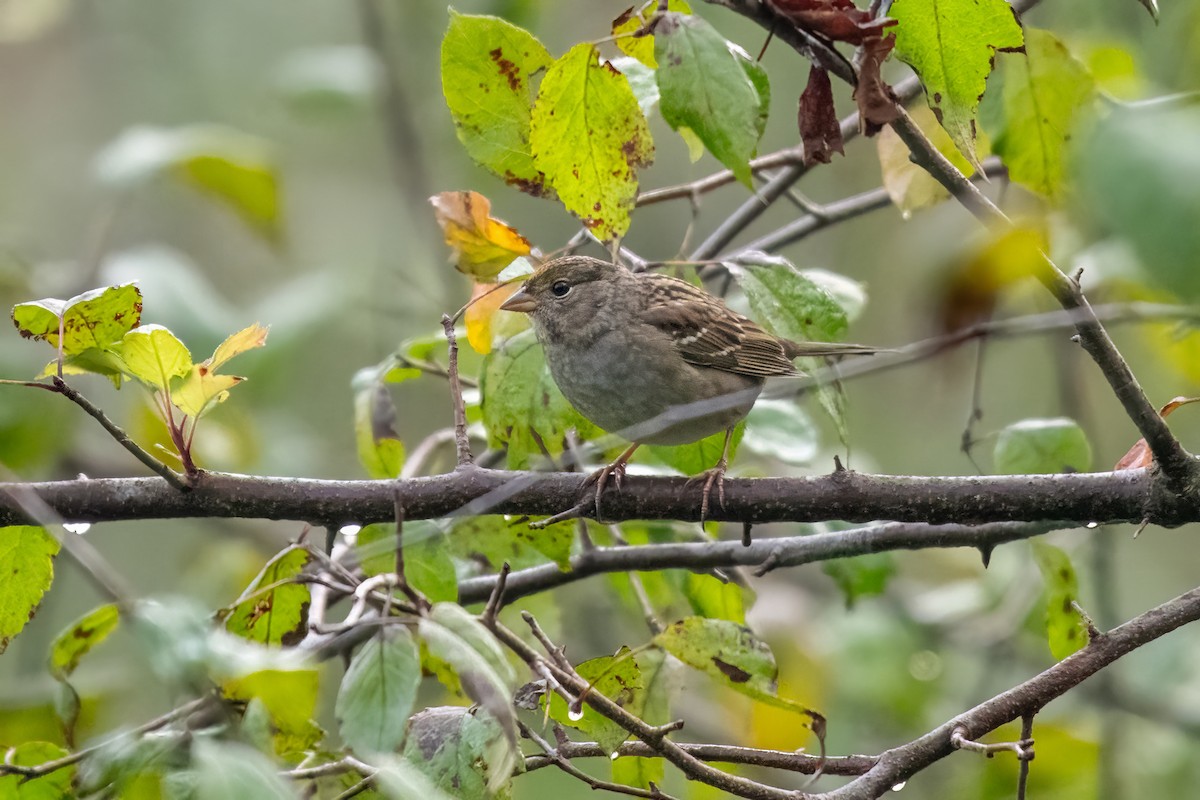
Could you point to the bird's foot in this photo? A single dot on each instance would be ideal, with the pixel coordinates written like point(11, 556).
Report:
point(615, 471)
point(714, 477)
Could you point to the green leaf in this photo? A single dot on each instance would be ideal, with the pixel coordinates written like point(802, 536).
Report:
point(710, 597)
point(861, 576)
point(94, 319)
point(54, 786)
point(27, 553)
point(694, 458)
point(519, 395)
point(493, 540)
point(290, 700)
point(462, 750)
point(638, 771)
point(380, 450)
point(1045, 89)
point(378, 692)
point(427, 563)
point(80, 637)
point(616, 677)
point(154, 356)
point(1042, 445)
point(710, 88)
point(641, 48)
point(731, 654)
point(488, 66)
point(235, 168)
point(589, 138)
point(402, 779)
point(454, 636)
point(782, 430)
point(1137, 174)
point(951, 44)
point(790, 303)
point(1065, 628)
point(795, 306)
point(229, 771)
point(277, 616)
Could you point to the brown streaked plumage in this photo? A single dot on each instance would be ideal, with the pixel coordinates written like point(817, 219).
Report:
point(653, 358)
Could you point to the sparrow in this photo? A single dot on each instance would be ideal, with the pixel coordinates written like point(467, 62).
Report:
point(653, 358)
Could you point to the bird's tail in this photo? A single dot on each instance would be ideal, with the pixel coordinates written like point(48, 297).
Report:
point(810, 349)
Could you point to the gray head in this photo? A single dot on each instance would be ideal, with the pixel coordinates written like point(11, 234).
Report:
point(565, 296)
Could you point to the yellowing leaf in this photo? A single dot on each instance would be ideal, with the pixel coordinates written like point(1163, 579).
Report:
point(154, 356)
point(589, 137)
point(630, 22)
point(27, 553)
point(488, 70)
point(482, 244)
point(974, 286)
point(235, 344)
point(202, 388)
point(1045, 90)
point(94, 319)
point(482, 310)
point(951, 44)
point(910, 186)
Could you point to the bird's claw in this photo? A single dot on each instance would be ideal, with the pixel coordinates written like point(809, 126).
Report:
point(713, 477)
point(616, 471)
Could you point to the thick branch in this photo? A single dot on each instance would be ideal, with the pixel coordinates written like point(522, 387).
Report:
point(1128, 496)
point(899, 764)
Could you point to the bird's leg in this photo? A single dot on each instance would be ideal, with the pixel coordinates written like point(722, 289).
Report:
point(715, 477)
point(616, 470)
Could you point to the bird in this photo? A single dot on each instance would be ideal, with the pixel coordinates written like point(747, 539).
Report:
point(653, 358)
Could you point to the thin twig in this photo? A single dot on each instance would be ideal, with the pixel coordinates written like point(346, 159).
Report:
point(158, 467)
point(461, 441)
point(496, 601)
point(1025, 755)
point(566, 766)
point(46, 767)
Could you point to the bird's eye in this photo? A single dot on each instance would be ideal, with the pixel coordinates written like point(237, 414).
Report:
point(560, 289)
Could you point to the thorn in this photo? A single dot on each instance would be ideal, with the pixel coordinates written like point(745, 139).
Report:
point(1141, 527)
point(986, 554)
point(746, 526)
point(837, 464)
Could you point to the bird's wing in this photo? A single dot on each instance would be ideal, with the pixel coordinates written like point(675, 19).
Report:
point(708, 334)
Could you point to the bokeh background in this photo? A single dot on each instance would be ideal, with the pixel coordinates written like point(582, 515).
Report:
point(347, 98)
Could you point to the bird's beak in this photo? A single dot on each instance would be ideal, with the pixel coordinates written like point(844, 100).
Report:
point(521, 301)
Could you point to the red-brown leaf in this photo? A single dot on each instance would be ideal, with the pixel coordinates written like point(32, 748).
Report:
point(819, 128)
point(836, 20)
point(877, 103)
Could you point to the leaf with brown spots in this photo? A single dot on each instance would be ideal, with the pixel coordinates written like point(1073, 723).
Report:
point(94, 319)
point(488, 71)
point(733, 655)
point(617, 677)
point(274, 610)
point(26, 571)
point(589, 137)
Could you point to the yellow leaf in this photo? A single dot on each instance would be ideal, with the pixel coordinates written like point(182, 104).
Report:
point(238, 343)
point(481, 313)
point(202, 388)
point(482, 244)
